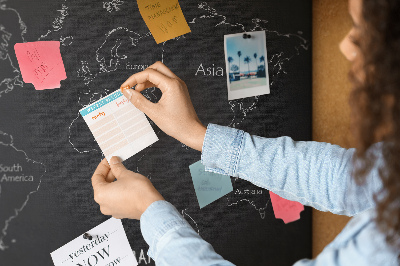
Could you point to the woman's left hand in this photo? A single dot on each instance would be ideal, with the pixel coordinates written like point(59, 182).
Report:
point(127, 197)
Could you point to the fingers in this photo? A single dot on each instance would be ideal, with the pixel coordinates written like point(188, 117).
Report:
point(99, 176)
point(156, 75)
point(149, 75)
point(110, 177)
point(143, 86)
point(139, 101)
point(160, 67)
point(117, 167)
point(104, 210)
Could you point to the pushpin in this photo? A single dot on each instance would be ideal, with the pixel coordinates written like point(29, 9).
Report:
point(88, 236)
point(124, 88)
point(246, 36)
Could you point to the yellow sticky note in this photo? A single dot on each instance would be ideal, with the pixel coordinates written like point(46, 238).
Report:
point(164, 18)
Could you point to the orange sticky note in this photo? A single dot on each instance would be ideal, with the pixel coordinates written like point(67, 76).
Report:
point(41, 63)
point(164, 18)
point(288, 211)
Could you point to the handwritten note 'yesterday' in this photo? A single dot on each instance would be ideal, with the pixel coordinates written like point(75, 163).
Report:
point(109, 246)
point(41, 63)
point(164, 18)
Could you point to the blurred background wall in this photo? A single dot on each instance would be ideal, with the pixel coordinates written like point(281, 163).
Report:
point(331, 89)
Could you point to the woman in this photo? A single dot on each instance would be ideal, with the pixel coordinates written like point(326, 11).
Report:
point(320, 175)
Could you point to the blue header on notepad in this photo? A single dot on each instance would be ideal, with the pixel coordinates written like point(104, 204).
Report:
point(100, 103)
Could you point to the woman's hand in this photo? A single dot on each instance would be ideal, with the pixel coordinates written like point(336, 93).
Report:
point(128, 197)
point(174, 113)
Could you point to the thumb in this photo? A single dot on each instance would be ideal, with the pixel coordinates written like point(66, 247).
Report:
point(117, 167)
point(138, 100)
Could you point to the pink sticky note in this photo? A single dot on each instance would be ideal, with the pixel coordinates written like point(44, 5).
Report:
point(288, 211)
point(41, 63)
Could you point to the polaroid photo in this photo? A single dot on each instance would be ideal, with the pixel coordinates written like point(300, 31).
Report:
point(246, 64)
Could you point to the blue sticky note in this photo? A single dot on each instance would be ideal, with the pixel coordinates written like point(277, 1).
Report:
point(209, 186)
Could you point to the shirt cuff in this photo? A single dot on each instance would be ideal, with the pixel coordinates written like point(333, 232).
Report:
point(158, 219)
point(221, 150)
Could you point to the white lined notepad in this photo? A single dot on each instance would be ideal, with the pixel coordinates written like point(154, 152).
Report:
point(118, 126)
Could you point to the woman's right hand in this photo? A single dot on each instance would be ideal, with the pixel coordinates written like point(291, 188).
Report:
point(174, 112)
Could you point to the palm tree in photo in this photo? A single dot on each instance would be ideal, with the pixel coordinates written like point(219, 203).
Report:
point(255, 58)
point(262, 59)
point(230, 60)
point(247, 60)
point(234, 68)
point(239, 54)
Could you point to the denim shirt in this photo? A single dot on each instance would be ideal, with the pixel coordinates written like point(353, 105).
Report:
point(312, 173)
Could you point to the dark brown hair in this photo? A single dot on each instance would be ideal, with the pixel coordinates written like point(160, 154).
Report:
point(375, 103)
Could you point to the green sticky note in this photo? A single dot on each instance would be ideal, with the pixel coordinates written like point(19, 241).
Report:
point(209, 186)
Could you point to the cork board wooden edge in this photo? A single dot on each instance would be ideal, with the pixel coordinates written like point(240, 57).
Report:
point(331, 89)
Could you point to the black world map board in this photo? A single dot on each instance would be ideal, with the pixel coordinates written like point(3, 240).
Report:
point(45, 142)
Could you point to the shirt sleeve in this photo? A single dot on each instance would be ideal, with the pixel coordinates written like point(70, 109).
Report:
point(173, 241)
point(313, 173)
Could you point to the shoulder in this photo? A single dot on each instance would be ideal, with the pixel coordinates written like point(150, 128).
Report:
point(373, 242)
point(362, 241)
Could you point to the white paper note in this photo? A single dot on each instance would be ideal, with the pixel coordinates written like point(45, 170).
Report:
point(118, 126)
point(109, 247)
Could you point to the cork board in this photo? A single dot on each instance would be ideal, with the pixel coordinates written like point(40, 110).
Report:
point(331, 89)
